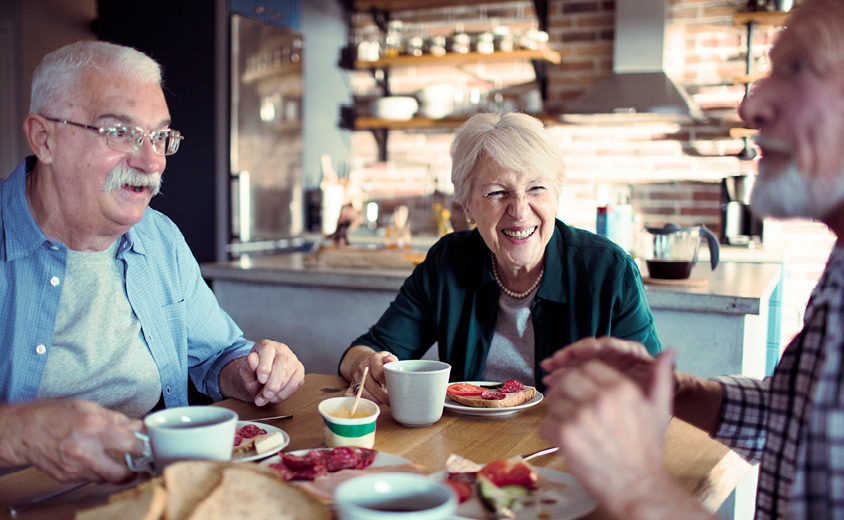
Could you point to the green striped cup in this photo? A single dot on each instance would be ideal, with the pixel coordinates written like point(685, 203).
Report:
point(341, 430)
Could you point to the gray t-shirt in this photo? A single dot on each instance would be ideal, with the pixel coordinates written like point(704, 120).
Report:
point(512, 353)
point(98, 351)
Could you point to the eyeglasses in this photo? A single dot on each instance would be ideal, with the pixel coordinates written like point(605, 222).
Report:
point(129, 139)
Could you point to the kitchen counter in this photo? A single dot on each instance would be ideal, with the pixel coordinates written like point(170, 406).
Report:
point(319, 310)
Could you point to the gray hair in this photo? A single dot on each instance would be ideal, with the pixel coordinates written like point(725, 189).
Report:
point(513, 140)
point(58, 73)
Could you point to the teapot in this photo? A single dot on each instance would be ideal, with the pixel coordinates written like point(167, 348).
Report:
point(671, 251)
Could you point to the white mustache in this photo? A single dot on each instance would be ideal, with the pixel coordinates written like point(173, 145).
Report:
point(123, 175)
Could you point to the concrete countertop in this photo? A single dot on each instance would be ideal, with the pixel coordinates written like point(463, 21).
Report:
point(733, 288)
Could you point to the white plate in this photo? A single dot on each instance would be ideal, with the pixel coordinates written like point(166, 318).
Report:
point(572, 501)
point(454, 406)
point(381, 458)
point(250, 455)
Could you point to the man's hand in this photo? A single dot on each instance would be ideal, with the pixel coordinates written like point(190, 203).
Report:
point(610, 432)
point(628, 357)
point(69, 439)
point(269, 374)
point(360, 357)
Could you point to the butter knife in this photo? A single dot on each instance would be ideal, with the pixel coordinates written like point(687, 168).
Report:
point(15, 510)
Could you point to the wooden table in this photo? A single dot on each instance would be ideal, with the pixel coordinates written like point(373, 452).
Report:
point(703, 466)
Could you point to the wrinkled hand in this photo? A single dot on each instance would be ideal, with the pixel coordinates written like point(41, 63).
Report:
point(628, 357)
point(375, 387)
point(610, 432)
point(269, 374)
point(69, 439)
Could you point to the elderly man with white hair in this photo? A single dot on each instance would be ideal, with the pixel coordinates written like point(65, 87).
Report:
point(610, 401)
point(105, 314)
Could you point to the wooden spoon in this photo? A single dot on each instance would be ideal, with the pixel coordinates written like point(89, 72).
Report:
point(360, 390)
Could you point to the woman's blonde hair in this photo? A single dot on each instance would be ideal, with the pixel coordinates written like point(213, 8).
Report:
point(513, 140)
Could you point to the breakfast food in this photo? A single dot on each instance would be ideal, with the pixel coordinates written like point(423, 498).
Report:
point(211, 490)
point(320, 471)
point(507, 394)
point(244, 438)
point(509, 488)
point(316, 463)
point(146, 502)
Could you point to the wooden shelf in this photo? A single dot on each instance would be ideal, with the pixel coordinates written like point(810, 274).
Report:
point(750, 78)
point(425, 123)
point(404, 5)
point(743, 132)
point(453, 57)
point(273, 72)
point(761, 18)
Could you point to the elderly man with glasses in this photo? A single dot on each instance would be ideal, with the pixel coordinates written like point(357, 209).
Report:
point(104, 312)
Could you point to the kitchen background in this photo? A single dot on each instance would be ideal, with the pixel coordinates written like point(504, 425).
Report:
point(669, 172)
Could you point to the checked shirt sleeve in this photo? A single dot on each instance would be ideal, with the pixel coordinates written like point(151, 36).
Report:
point(743, 415)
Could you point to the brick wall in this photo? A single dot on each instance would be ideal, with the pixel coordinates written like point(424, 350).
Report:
point(671, 172)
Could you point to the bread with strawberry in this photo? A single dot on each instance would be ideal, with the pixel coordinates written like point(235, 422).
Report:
point(507, 394)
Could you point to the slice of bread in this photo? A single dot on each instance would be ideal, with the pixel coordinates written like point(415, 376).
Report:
point(146, 502)
point(511, 399)
point(244, 493)
point(188, 483)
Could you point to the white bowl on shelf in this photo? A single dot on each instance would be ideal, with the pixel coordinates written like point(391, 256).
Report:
point(395, 108)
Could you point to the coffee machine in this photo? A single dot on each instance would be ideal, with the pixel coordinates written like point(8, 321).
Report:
point(739, 225)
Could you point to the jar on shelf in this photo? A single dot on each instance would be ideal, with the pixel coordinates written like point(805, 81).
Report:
point(485, 43)
point(393, 39)
point(437, 45)
point(503, 39)
point(415, 46)
point(460, 42)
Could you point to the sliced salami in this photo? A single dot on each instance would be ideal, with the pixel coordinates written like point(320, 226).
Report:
point(341, 458)
point(250, 430)
point(512, 386)
point(494, 395)
point(367, 457)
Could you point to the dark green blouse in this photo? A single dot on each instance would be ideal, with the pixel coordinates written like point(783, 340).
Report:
point(591, 287)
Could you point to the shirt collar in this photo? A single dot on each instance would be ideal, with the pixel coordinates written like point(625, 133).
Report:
point(22, 235)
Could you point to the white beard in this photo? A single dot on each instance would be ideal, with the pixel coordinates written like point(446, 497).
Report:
point(122, 175)
point(792, 194)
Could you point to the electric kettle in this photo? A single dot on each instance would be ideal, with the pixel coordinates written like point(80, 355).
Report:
point(671, 251)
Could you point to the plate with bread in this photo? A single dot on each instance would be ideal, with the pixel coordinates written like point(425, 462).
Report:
point(490, 397)
point(256, 441)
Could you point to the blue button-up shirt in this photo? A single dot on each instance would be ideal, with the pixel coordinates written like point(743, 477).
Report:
point(186, 330)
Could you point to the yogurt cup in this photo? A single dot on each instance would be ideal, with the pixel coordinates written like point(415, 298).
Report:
point(340, 431)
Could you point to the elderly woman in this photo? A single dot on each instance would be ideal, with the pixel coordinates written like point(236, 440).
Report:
point(500, 298)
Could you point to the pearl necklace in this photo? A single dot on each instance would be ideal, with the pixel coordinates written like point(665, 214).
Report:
point(507, 291)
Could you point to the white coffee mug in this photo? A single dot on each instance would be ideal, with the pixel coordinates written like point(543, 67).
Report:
point(186, 432)
point(417, 390)
point(386, 496)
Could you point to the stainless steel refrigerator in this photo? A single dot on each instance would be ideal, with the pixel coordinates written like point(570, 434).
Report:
point(267, 180)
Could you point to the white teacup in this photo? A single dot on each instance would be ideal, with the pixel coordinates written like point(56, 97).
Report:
point(395, 496)
point(417, 390)
point(186, 432)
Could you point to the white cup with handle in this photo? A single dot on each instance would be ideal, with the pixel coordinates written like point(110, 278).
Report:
point(417, 390)
point(185, 432)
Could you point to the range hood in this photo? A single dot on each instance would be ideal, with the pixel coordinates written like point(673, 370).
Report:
point(638, 89)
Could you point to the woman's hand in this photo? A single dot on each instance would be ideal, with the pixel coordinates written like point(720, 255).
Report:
point(359, 357)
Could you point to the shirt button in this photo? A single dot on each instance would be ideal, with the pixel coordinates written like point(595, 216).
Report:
point(168, 390)
point(54, 281)
point(41, 349)
point(54, 248)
